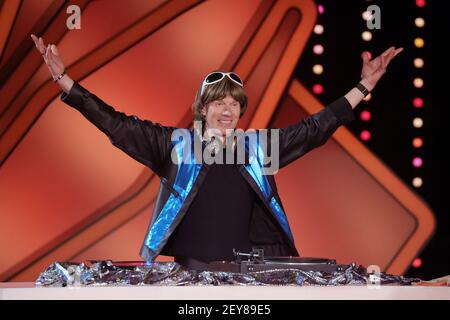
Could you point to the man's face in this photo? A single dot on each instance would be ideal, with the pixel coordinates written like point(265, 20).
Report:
point(222, 114)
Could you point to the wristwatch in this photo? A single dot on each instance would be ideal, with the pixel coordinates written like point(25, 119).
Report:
point(363, 89)
point(60, 76)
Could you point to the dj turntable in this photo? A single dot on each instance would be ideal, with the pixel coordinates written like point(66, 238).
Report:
point(256, 261)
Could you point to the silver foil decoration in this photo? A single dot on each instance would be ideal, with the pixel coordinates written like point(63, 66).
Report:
point(105, 273)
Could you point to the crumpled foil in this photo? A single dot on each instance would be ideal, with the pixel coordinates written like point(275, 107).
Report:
point(105, 273)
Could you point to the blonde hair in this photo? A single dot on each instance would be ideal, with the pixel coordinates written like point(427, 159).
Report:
point(217, 91)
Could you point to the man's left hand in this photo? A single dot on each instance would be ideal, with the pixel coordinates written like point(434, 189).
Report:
point(373, 70)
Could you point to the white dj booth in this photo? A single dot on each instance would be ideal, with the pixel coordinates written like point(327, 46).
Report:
point(27, 290)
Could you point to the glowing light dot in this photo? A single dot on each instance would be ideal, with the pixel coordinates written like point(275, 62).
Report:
point(419, 22)
point(417, 142)
point(417, 182)
point(317, 88)
point(367, 15)
point(418, 102)
point(418, 82)
point(318, 49)
point(318, 69)
point(366, 35)
point(417, 263)
point(417, 122)
point(417, 162)
point(318, 29)
point(365, 115)
point(321, 9)
point(419, 42)
point(420, 3)
point(365, 135)
point(368, 97)
point(418, 63)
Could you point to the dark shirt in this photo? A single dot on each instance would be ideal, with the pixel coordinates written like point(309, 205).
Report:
point(218, 218)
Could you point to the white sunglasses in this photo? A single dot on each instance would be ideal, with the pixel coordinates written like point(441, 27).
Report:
point(217, 76)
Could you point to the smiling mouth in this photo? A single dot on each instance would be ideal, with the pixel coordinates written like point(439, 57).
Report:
point(225, 121)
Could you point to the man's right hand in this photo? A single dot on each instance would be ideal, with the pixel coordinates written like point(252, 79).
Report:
point(53, 61)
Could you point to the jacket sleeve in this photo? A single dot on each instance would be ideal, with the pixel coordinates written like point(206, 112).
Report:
point(143, 140)
point(313, 131)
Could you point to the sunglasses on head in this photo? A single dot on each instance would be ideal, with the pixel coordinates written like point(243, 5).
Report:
point(218, 76)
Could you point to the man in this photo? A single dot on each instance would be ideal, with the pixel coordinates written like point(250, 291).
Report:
point(206, 209)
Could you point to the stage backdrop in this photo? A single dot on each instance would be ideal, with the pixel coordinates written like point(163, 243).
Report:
point(66, 193)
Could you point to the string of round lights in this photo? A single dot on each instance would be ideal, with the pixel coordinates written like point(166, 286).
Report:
point(365, 115)
point(318, 50)
point(418, 100)
point(418, 104)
